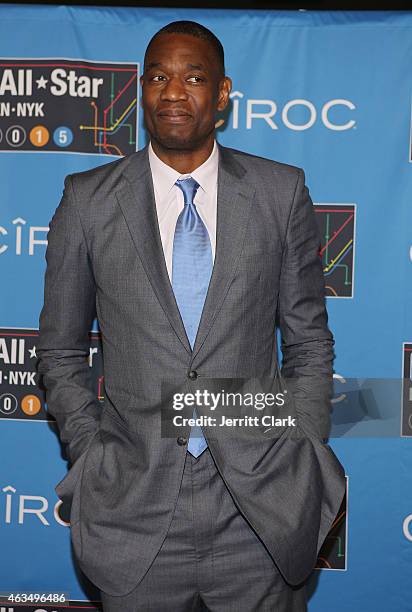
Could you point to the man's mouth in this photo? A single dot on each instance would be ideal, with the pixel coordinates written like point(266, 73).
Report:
point(174, 116)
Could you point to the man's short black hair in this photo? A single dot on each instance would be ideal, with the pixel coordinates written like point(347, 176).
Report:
point(192, 28)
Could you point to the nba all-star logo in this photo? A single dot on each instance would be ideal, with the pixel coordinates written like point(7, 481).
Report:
point(22, 394)
point(66, 105)
point(333, 553)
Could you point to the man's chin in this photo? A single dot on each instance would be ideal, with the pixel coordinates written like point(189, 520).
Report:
point(178, 139)
point(177, 143)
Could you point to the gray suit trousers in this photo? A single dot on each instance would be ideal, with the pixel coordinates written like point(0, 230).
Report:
point(211, 559)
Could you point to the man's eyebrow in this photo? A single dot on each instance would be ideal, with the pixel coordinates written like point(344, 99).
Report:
point(196, 66)
point(152, 65)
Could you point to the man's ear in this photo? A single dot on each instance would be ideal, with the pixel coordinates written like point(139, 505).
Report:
point(225, 87)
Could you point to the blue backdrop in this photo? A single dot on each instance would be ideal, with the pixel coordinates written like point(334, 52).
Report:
point(329, 92)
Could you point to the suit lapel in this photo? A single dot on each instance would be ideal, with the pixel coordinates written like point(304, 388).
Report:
point(137, 201)
point(234, 198)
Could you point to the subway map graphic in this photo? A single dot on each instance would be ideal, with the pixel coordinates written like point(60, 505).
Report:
point(336, 224)
point(333, 553)
point(65, 105)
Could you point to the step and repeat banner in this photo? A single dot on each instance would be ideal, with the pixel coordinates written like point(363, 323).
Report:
point(328, 92)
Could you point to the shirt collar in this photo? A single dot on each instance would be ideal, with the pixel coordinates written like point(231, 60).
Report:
point(164, 176)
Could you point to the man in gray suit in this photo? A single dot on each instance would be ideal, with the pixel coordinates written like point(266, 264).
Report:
point(191, 255)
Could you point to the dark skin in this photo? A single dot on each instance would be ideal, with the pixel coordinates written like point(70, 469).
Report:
point(183, 87)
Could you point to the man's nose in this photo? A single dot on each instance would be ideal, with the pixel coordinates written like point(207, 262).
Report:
point(173, 90)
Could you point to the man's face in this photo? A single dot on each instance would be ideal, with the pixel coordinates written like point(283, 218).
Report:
point(182, 89)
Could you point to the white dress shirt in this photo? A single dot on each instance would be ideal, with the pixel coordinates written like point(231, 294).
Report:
point(169, 199)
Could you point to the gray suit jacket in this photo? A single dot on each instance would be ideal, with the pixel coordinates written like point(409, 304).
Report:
point(105, 258)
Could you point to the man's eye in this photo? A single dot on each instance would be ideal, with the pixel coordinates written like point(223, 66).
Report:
point(157, 77)
point(195, 79)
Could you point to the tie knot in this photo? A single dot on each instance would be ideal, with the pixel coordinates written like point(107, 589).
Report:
point(189, 188)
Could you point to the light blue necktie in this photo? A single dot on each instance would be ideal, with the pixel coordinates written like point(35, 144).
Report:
point(191, 271)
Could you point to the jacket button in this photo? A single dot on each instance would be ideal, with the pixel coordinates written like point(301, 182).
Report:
point(182, 440)
point(192, 374)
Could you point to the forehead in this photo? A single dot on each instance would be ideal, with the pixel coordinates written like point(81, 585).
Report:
point(168, 49)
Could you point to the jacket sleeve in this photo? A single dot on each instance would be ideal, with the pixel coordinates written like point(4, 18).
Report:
point(306, 341)
point(64, 324)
